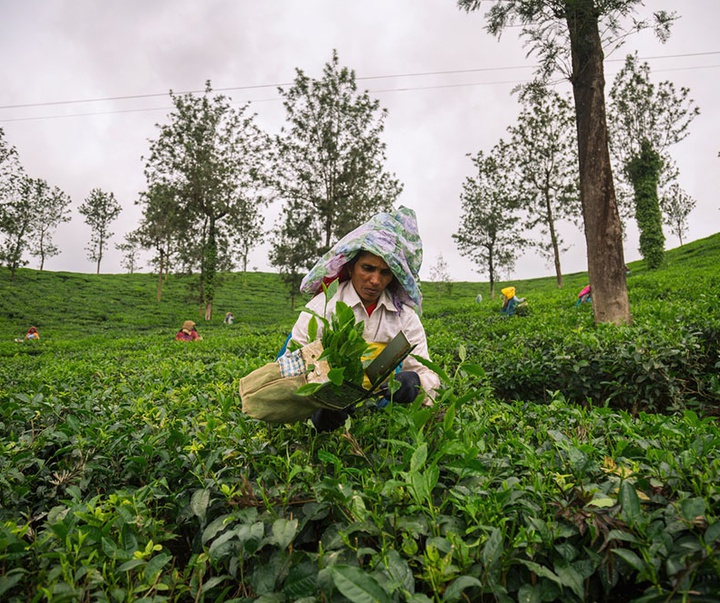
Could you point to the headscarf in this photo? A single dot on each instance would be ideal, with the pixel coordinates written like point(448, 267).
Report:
point(508, 292)
point(392, 236)
point(188, 325)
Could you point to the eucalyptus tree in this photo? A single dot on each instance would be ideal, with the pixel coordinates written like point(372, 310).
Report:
point(676, 206)
point(644, 121)
point(440, 274)
point(566, 35)
point(644, 171)
point(130, 249)
point(212, 158)
point(161, 226)
point(331, 156)
point(544, 148)
point(490, 232)
point(16, 221)
point(15, 214)
point(51, 207)
point(100, 210)
point(294, 247)
point(10, 169)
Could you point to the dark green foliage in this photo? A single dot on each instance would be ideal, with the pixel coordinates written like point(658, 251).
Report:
point(343, 344)
point(644, 173)
point(128, 471)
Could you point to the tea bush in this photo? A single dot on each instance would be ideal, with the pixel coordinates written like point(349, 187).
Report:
point(561, 462)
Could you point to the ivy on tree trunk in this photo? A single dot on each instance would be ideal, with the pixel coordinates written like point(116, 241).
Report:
point(644, 173)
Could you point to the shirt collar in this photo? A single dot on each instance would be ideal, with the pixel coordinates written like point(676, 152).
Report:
point(352, 299)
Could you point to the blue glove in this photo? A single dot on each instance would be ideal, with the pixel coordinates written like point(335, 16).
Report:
point(409, 387)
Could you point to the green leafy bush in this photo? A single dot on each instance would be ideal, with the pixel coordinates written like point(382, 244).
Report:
point(544, 472)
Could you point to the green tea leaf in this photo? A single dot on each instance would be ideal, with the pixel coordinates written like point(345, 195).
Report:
point(358, 586)
point(283, 531)
point(336, 375)
point(199, 502)
point(455, 590)
point(419, 456)
point(630, 558)
point(312, 329)
point(493, 548)
point(630, 502)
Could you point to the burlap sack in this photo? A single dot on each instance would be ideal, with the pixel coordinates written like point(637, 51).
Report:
point(268, 395)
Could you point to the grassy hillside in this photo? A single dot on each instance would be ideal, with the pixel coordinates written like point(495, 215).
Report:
point(70, 304)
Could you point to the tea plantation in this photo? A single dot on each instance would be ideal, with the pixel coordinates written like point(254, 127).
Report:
point(562, 461)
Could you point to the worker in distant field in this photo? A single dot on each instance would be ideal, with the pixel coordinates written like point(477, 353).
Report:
point(188, 332)
point(584, 297)
point(511, 301)
point(229, 318)
point(377, 265)
point(31, 335)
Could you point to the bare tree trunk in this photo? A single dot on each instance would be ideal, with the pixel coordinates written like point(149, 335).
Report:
point(553, 239)
point(603, 231)
point(161, 267)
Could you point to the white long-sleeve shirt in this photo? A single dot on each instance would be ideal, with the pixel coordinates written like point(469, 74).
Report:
point(380, 327)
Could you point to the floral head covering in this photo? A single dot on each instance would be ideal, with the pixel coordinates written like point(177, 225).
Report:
point(392, 236)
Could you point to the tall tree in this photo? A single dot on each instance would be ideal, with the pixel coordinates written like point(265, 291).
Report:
point(212, 158)
point(16, 222)
point(294, 247)
point(247, 230)
point(490, 226)
point(545, 162)
point(567, 33)
point(130, 249)
point(332, 155)
point(51, 206)
point(100, 210)
point(644, 121)
point(440, 273)
point(14, 218)
point(160, 228)
point(676, 206)
point(644, 172)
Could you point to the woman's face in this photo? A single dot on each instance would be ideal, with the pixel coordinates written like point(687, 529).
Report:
point(370, 276)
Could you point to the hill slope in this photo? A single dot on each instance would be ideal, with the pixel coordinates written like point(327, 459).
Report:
point(76, 304)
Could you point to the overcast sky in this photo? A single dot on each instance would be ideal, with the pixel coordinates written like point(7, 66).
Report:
point(84, 82)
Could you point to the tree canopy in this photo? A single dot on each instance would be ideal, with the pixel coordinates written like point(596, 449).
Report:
point(331, 158)
point(490, 232)
point(100, 210)
point(206, 186)
point(545, 167)
point(571, 37)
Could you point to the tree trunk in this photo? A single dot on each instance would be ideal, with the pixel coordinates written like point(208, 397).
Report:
point(491, 275)
point(161, 267)
point(603, 231)
point(209, 269)
point(553, 239)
